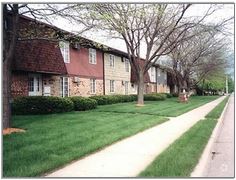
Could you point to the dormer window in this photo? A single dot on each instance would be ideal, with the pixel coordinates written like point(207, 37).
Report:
point(65, 51)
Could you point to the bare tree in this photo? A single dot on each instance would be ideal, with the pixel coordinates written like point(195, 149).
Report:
point(155, 29)
point(11, 15)
point(198, 55)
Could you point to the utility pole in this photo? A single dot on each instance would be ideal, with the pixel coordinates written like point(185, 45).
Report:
point(226, 84)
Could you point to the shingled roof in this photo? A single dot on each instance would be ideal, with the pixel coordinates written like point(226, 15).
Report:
point(39, 56)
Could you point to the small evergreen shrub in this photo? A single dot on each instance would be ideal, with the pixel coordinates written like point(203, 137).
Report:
point(175, 95)
point(154, 97)
point(41, 105)
point(168, 95)
point(83, 103)
point(112, 99)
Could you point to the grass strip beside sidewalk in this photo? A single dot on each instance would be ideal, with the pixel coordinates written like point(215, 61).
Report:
point(216, 112)
point(180, 158)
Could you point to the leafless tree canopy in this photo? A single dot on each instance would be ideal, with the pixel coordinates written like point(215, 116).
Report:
point(157, 30)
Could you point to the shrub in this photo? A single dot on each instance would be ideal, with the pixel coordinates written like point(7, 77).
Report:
point(112, 99)
point(101, 100)
point(41, 105)
point(175, 95)
point(168, 95)
point(154, 97)
point(83, 103)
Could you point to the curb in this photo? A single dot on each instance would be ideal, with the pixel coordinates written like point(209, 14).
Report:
point(200, 167)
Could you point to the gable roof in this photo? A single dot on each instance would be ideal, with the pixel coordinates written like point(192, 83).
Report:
point(39, 56)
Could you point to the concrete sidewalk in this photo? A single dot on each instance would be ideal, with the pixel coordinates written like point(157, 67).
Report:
point(128, 157)
point(218, 158)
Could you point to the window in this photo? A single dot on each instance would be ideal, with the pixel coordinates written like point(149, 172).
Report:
point(126, 65)
point(152, 88)
point(153, 74)
point(92, 86)
point(31, 84)
point(64, 87)
point(126, 87)
point(112, 86)
point(35, 85)
point(158, 72)
point(65, 47)
point(92, 56)
point(112, 60)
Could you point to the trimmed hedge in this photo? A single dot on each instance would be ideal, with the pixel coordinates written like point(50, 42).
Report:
point(154, 97)
point(41, 105)
point(83, 103)
point(112, 99)
point(168, 95)
point(175, 95)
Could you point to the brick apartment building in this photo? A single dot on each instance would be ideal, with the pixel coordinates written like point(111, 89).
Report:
point(51, 65)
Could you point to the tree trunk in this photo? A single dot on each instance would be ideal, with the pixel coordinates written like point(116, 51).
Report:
point(10, 29)
point(6, 94)
point(140, 88)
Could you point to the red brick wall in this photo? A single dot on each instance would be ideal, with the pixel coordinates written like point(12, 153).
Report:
point(19, 86)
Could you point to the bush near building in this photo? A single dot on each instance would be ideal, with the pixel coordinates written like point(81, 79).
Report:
point(83, 103)
point(41, 105)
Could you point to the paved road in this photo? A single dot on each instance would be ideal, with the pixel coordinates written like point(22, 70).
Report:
point(221, 162)
point(130, 156)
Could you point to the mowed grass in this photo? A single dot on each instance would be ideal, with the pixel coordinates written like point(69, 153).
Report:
point(180, 158)
point(51, 141)
point(216, 112)
point(170, 107)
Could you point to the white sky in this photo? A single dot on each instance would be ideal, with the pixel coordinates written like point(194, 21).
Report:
point(196, 10)
point(100, 36)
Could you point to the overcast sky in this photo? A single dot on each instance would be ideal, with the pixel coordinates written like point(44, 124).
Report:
point(196, 10)
point(227, 11)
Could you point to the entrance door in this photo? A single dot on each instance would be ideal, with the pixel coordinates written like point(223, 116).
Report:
point(35, 85)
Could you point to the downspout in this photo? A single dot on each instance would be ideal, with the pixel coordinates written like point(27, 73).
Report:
point(103, 72)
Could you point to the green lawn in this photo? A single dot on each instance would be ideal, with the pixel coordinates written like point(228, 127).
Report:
point(180, 158)
point(51, 141)
point(170, 107)
point(216, 112)
point(54, 140)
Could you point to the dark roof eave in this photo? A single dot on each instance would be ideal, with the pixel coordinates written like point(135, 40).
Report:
point(44, 72)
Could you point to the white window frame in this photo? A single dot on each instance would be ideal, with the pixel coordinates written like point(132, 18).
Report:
point(153, 74)
point(92, 56)
point(112, 86)
point(126, 65)
point(112, 60)
point(36, 85)
point(158, 72)
point(92, 86)
point(126, 87)
point(65, 51)
point(62, 87)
